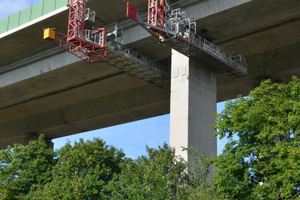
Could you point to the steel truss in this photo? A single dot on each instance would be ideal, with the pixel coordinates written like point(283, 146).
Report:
point(119, 56)
point(86, 50)
point(103, 45)
point(156, 13)
point(76, 19)
point(179, 33)
point(138, 65)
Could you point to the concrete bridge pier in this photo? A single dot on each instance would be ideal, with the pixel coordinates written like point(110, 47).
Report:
point(33, 136)
point(193, 102)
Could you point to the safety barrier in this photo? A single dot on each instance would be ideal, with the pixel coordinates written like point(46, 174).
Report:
point(29, 14)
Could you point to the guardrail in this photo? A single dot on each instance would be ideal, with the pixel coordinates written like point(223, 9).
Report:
point(29, 14)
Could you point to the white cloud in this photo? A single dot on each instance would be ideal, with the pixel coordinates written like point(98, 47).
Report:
point(9, 7)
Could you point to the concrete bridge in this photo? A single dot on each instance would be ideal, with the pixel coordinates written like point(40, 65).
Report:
point(46, 90)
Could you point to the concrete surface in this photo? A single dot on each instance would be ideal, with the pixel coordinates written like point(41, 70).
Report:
point(47, 91)
point(193, 100)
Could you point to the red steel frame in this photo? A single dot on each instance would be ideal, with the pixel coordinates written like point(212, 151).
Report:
point(132, 11)
point(156, 12)
point(76, 19)
point(74, 41)
point(156, 15)
point(84, 49)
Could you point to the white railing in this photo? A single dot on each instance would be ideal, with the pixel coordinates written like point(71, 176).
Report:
point(94, 36)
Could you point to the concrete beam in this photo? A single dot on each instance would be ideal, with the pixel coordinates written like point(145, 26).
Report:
point(266, 32)
point(22, 69)
point(131, 105)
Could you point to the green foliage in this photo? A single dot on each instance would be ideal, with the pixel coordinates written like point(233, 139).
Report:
point(162, 175)
point(93, 170)
point(82, 171)
point(23, 168)
point(148, 177)
point(263, 162)
point(197, 185)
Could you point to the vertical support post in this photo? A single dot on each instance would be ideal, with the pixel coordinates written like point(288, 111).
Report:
point(193, 102)
point(43, 8)
point(76, 19)
point(19, 19)
point(34, 136)
point(8, 19)
point(156, 13)
point(30, 13)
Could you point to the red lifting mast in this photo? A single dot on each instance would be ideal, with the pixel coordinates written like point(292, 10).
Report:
point(82, 41)
point(76, 19)
point(156, 12)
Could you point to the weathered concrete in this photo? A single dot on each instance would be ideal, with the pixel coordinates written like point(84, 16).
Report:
point(34, 136)
point(102, 96)
point(193, 101)
point(40, 92)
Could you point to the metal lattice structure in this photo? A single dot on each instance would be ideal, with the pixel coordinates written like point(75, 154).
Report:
point(156, 13)
point(103, 45)
point(87, 50)
point(81, 40)
point(76, 19)
point(137, 64)
point(179, 33)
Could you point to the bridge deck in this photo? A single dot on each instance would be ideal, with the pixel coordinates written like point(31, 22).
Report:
point(44, 92)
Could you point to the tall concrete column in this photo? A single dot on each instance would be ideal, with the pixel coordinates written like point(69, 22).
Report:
point(193, 102)
point(34, 136)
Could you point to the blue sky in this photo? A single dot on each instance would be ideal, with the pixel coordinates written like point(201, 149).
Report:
point(131, 137)
point(9, 7)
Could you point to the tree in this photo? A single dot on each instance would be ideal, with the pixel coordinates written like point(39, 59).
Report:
point(148, 177)
point(93, 170)
point(263, 162)
point(23, 168)
point(197, 185)
point(82, 171)
point(163, 175)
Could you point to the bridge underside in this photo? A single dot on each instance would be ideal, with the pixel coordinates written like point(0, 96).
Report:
point(59, 95)
point(76, 98)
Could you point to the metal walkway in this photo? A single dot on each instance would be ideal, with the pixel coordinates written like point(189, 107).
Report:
point(211, 56)
point(137, 64)
point(177, 31)
point(117, 55)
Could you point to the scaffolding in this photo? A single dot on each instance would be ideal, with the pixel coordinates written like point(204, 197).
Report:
point(104, 45)
point(156, 12)
point(179, 33)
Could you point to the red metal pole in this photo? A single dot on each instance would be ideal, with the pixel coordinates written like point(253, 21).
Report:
point(156, 12)
point(76, 19)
